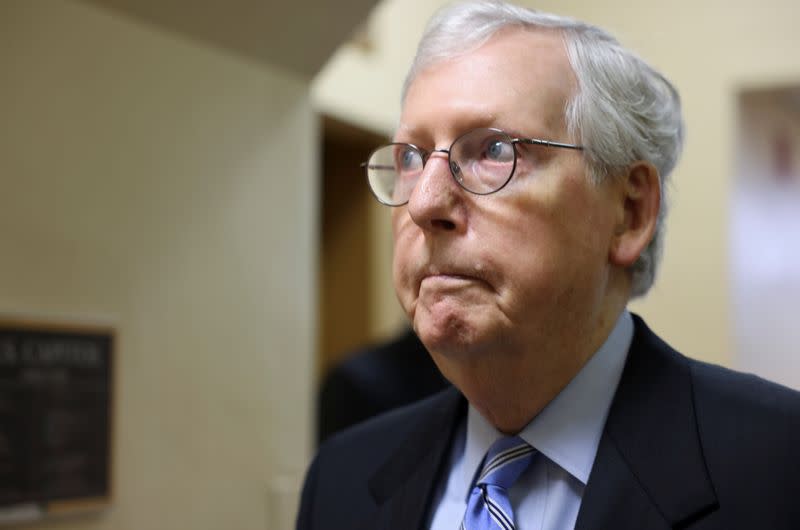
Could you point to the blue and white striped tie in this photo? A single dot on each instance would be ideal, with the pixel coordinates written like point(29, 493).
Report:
point(488, 507)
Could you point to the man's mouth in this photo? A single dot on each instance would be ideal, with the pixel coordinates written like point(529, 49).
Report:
point(449, 277)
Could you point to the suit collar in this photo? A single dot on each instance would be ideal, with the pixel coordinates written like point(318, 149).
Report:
point(402, 488)
point(650, 465)
point(649, 471)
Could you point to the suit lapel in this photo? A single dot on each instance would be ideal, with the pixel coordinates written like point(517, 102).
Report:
point(614, 498)
point(403, 486)
point(649, 471)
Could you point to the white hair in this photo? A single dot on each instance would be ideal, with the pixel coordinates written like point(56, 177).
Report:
point(623, 110)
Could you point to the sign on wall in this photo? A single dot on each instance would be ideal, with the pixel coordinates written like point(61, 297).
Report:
point(56, 390)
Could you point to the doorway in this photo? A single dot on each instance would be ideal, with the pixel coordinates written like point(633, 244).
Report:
point(347, 256)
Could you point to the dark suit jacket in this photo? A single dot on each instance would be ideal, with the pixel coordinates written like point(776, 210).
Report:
point(375, 380)
point(686, 445)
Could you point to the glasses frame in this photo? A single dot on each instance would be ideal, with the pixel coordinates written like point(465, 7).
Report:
point(426, 154)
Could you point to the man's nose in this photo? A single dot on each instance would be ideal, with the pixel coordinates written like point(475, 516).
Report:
point(436, 203)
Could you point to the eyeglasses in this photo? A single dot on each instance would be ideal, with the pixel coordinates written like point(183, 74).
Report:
point(481, 161)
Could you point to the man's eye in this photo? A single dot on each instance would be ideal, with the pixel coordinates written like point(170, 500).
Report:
point(408, 160)
point(499, 151)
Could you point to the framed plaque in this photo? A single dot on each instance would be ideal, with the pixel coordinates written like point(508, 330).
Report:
point(56, 397)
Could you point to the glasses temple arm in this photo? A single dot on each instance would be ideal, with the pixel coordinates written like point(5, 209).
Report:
point(548, 143)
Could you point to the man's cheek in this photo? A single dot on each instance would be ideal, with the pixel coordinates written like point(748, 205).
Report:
point(399, 277)
point(407, 283)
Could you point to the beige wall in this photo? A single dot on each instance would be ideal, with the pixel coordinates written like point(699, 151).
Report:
point(710, 49)
point(170, 190)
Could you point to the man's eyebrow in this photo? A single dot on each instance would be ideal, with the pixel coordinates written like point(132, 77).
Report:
point(515, 133)
point(457, 127)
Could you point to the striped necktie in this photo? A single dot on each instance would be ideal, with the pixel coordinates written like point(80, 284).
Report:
point(488, 507)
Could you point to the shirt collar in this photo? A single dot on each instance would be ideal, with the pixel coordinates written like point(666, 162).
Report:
point(567, 431)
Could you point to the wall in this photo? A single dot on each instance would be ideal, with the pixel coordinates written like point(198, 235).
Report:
point(711, 50)
point(170, 190)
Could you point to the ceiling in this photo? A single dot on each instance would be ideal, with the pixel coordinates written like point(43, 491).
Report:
point(298, 36)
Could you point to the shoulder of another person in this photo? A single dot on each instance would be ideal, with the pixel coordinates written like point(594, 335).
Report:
point(374, 440)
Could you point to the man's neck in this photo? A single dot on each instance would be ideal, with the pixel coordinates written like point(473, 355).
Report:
point(510, 391)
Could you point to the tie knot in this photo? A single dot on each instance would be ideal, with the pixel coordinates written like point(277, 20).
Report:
point(506, 459)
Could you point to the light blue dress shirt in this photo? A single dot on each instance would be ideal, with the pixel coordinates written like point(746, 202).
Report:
point(565, 433)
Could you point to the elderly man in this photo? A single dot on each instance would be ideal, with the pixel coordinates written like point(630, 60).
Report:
point(526, 177)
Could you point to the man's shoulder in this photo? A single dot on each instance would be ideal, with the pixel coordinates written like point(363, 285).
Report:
point(703, 439)
point(743, 393)
point(739, 419)
point(720, 392)
point(750, 431)
point(736, 409)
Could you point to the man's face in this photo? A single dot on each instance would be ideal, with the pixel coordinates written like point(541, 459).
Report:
point(526, 267)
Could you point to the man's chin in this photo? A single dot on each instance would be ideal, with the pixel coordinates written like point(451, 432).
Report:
point(452, 337)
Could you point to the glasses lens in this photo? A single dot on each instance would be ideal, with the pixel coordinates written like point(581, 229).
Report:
point(483, 160)
point(393, 171)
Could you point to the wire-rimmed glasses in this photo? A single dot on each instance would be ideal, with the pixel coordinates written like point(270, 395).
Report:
point(482, 161)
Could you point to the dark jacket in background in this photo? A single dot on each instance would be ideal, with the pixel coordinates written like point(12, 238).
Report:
point(375, 380)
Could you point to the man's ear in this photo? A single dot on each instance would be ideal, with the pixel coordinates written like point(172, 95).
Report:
point(641, 200)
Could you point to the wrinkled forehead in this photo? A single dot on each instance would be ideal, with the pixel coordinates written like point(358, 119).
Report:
point(520, 78)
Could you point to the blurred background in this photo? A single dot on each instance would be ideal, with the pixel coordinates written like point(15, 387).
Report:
point(186, 173)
